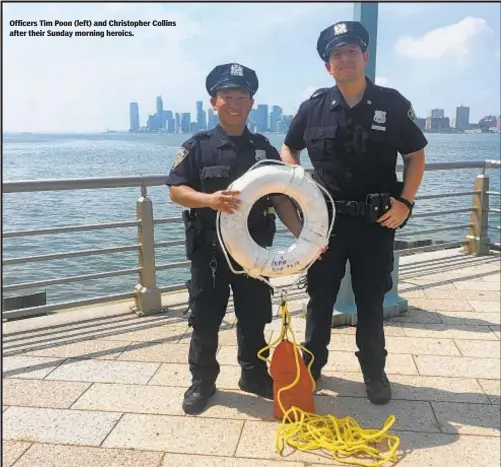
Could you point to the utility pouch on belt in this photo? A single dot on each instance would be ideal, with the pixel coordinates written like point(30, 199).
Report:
point(190, 232)
point(377, 205)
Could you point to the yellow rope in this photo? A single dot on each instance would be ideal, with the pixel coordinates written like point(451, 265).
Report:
point(343, 438)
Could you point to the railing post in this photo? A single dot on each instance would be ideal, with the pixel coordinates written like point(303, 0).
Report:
point(147, 295)
point(477, 239)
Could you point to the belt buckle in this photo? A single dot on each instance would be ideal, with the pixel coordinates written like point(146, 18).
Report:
point(351, 208)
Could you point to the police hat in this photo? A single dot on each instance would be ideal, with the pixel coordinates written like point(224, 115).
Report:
point(342, 33)
point(231, 75)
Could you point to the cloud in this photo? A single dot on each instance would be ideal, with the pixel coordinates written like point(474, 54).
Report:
point(78, 84)
point(382, 81)
point(452, 40)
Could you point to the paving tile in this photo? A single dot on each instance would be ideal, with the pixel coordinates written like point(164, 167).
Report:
point(156, 352)
point(183, 460)
point(473, 348)
point(486, 306)
point(132, 398)
point(432, 450)
point(492, 278)
point(233, 404)
point(417, 315)
point(430, 304)
point(401, 345)
point(37, 393)
point(4, 407)
point(447, 331)
point(57, 426)
point(347, 362)
point(105, 371)
point(258, 442)
point(496, 330)
point(391, 328)
point(12, 451)
point(458, 367)
point(410, 415)
point(469, 419)
point(177, 374)
point(187, 435)
point(478, 295)
point(226, 336)
point(29, 367)
point(95, 348)
point(492, 388)
point(412, 293)
point(168, 333)
point(477, 285)
point(52, 455)
point(469, 318)
point(404, 387)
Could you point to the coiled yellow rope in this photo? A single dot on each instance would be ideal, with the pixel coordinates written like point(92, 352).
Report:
point(343, 438)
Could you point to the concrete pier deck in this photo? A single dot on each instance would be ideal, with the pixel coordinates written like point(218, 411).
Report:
point(102, 387)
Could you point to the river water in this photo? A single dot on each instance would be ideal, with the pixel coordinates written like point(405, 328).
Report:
point(34, 156)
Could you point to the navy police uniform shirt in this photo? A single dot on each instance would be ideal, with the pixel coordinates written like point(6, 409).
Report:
point(354, 150)
point(210, 160)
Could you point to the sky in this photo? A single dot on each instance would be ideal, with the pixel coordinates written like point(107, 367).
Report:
point(438, 55)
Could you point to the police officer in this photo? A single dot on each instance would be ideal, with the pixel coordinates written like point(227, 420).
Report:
point(353, 132)
point(202, 170)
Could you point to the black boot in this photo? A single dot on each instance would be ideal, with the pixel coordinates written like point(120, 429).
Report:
point(316, 372)
point(197, 397)
point(378, 389)
point(261, 385)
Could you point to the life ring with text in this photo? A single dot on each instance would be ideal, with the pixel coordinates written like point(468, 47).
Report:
point(293, 181)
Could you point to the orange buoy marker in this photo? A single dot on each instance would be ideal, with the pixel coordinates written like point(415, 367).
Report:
point(301, 428)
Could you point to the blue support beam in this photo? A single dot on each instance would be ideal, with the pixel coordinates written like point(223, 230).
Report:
point(367, 14)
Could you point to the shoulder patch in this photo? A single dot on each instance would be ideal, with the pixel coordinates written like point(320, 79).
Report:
point(412, 116)
point(179, 157)
point(319, 92)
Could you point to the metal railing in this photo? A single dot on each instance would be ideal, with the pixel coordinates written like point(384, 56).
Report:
point(148, 296)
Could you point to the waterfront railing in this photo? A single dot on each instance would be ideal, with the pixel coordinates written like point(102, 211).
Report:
point(147, 294)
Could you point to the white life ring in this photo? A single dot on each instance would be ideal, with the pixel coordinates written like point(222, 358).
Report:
point(295, 182)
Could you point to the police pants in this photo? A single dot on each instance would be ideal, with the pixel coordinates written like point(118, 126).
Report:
point(369, 248)
point(252, 302)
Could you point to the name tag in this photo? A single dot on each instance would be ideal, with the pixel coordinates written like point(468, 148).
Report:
point(378, 127)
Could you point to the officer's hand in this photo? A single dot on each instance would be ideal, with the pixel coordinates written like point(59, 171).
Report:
point(395, 216)
point(225, 201)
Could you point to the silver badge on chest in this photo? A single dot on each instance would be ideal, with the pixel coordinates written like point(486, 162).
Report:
point(260, 154)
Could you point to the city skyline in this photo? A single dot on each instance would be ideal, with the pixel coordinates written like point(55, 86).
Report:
point(261, 119)
point(436, 56)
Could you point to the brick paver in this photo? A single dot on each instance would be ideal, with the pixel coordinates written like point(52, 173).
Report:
point(107, 390)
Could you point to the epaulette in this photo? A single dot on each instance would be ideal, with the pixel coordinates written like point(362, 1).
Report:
point(203, 134)
point(262, 137)
point(391, 92)
point(319, 92)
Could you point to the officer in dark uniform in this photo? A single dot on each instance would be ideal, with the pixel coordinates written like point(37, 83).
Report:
point(202, 170)
point(353, 132)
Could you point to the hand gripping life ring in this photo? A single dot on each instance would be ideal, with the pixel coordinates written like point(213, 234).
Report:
point(261, 180)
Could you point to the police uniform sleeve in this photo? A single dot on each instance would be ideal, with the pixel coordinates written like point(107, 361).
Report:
point(410, 136)
point(295, 135)
point(184, 167)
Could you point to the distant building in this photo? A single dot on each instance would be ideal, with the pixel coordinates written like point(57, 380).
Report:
point(275, 116)
point(462, 118)
point(134, 116)
point(436, 113)
point(201, 117)
point(438, 125)
point(213, 119)
point(185, 122)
